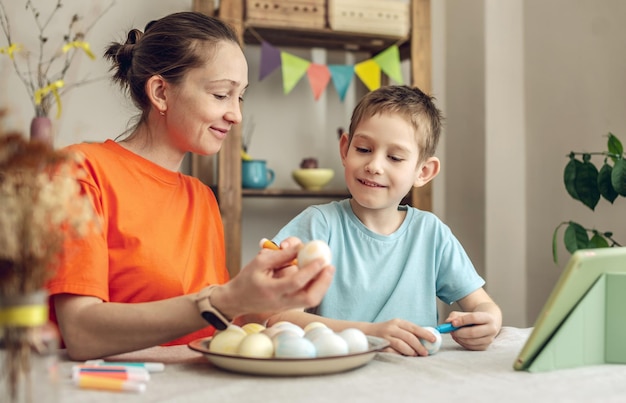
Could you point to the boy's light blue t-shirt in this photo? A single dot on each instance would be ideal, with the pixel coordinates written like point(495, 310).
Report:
point(382, 277)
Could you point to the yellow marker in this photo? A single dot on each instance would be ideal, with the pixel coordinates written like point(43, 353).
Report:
point(267, 244)
point(102, 383)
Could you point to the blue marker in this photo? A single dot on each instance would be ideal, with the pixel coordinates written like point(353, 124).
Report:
point(149, 366)
point(447, 327)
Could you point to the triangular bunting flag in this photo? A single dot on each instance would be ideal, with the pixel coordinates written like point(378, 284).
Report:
point(369, 72)
point(319, 76)
point(389, 62)
point(270, 59)
point(342, 76)
point(293, 68)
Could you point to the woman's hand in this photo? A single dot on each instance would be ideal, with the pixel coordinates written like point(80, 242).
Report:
point(270, 283)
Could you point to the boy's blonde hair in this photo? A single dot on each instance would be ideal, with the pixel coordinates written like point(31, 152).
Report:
point(409, 102)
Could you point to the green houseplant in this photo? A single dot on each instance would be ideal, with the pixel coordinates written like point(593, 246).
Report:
point(585, 183)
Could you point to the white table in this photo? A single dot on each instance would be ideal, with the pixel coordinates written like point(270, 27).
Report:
point(453, 374)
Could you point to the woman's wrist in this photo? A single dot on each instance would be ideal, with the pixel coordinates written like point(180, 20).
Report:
point(221, 300)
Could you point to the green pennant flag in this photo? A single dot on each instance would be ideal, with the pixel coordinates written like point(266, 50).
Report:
point(293, 68)
point(389, 62)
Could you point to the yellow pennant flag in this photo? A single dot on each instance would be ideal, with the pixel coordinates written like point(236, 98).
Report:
point(369, 72)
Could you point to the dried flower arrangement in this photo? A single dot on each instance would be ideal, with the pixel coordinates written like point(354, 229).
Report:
point(41, 205)
point(45, 79)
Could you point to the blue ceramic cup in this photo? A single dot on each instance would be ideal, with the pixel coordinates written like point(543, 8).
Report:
point(255, 174)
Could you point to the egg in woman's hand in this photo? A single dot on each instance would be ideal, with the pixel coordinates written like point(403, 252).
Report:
point(314, 250)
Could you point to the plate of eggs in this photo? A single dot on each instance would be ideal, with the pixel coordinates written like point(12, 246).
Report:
point(286, 349)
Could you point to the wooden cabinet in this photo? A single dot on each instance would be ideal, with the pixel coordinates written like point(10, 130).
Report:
point(227, 178)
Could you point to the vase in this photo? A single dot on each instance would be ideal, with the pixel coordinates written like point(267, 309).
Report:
point(41, 130)
point(29, 350)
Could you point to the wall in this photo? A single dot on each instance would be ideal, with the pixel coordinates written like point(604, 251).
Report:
point(521, 83)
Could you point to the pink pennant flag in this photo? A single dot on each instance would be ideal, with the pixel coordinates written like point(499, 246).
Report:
point(319, 76)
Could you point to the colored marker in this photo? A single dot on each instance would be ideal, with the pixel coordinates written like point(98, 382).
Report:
point(267, 244)
point(447, 327)
point(122, 375)
point(149, 366)
point(131, 373)
point(96, 382)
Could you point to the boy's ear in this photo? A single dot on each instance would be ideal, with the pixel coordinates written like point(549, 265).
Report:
point(155, 90)
point(344, 146)
point(427, 171)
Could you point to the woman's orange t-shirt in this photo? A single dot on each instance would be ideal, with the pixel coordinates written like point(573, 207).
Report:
point(161, 235)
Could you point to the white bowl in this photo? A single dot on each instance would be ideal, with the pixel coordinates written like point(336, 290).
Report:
point(312, 178)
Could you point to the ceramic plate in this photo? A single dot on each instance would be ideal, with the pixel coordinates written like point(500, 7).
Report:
point(290, 366)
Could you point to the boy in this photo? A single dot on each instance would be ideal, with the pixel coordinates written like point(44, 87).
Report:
point(393, 261)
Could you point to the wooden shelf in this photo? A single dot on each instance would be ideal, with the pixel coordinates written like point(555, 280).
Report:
point(297, 193)
point(321, 38)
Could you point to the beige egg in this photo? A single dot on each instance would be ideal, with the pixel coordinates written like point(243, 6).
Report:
point(314, 250)
point(256, 345)
point(226, 342)
point(250, 328)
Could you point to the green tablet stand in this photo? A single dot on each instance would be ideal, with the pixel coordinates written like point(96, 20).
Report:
point(593, 333)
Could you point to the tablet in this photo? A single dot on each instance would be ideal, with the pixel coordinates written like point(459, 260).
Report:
point(582, 270)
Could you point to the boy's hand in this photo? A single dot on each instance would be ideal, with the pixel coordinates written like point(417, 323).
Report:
point(403, 336)
point(482, 332)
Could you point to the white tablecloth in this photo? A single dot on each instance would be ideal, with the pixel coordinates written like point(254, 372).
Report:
point(453, 374)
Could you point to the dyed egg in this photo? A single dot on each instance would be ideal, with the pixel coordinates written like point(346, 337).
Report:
point(314, 333)
point(227, 341)
point(256, 345)
point(312, 251)
point(432, 347)
point(288, 326)
point(250, 328)
point(356, 339)
point(283, 335)
point(313, 325)
point(330, 344)
point(294, 347)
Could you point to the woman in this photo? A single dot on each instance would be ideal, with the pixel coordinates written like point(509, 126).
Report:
point(146, 277)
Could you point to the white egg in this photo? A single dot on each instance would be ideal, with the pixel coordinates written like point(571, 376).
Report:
point(289, 326)
point(312, 251)
point(432, 347)
point(294, 347)
point(314, 333)
point(356, 339)
point(330, 344)
point(226, 341)
point(256, 345)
